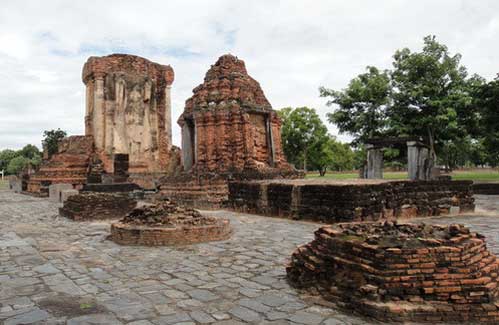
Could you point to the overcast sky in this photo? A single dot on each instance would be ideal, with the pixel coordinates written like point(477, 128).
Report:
point(290, 47)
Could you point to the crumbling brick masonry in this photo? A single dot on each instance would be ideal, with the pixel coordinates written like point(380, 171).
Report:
point(353, 200)
point(401, 272)
point(97, 206)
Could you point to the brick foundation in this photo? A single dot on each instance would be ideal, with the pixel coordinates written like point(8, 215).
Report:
point(401, 272)
point(125, 234)
point(97, 206)
point(68, 166)
point(166, 223)
point(353, 200)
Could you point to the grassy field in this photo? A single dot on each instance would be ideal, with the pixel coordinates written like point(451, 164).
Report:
point(3, 184)
point(476, 175)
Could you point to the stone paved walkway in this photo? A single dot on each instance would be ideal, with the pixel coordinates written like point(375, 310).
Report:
point(55, 271)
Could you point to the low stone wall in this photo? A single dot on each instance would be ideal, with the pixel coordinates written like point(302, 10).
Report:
point(110, 188)
point(402, 272)
point(486, 188)
point(355, 200)
point(202, 194)
point(126, 234)
point(95, 206)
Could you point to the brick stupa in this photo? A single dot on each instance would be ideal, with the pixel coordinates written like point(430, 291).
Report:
point(401, 272)
point(229, 131)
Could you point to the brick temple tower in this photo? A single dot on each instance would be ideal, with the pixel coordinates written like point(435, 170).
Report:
point(229, 132)
point(228, 125)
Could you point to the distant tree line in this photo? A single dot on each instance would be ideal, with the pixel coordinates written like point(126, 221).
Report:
point(308, 145)
point(14, 161)
point(429, 94)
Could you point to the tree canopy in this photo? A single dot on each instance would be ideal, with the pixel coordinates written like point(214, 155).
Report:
point(51, 140)
point(362, 105)
point(307, 143)
point(487, 105)
point(427, 93)
point(14, 161)
point(429, 90)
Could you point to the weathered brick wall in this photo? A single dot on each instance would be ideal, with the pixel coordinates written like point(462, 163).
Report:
point(128, 111)
point(195, 192)
point(69, 165)
point(95, 206)
point(330, 202)
point(401, 272)
point(234, 124)
point(229, 131)
point(486, 188)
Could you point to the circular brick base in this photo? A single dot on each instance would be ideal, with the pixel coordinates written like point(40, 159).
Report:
point(126, 234)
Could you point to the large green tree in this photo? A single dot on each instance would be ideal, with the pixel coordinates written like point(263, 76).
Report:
point(430, 92)
point(17, 164)
point(302, 132)
point(361, 107)
point(51, 140)
point(331, 154)
point(30, 151)
point(6, 156)
point(487, 105)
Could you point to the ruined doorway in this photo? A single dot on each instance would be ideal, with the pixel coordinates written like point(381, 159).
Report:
point(261, 138)
point(120, 164)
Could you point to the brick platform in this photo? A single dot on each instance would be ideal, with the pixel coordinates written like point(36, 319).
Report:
point(351, 200)
point(95, 206)
point(125, 234)
point(165, 223)
point(403, 272)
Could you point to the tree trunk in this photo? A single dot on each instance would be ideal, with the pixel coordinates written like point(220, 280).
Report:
point(322, 171)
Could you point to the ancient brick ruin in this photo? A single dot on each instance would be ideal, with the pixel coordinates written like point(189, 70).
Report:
point(68, 166)
point(127, 127)
point(97, 206)
point(353, 200)
point(128, 111)
point(229, 131)
point(165, 223)
point(228, 125)
point(401, 272)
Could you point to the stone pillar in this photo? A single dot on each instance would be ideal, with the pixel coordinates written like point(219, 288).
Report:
point(374, 162)
point(187, 149)
point(89, 106)
point(98, 112)
point(270, 140)
point(419, 164)
point(109, 123)
point(168, 115)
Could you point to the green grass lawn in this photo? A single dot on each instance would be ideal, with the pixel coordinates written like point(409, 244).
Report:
point(4, 184)
point(487, 175)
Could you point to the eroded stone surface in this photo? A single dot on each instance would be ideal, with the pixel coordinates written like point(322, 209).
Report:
point(144, 286)
point(128, 110)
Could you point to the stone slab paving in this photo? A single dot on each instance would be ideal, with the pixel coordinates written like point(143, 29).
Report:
point(57, 271)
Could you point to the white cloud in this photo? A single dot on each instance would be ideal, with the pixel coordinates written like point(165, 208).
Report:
point(290, 47)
